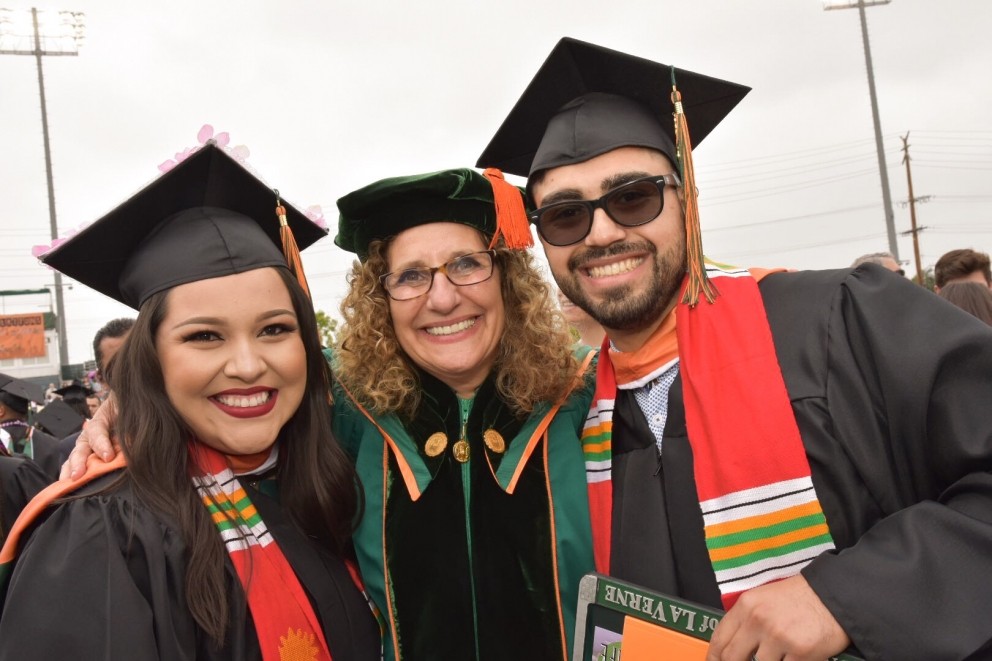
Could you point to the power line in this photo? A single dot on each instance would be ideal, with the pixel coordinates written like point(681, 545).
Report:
point(779, 189)
point(774, 221)
point(807, 246)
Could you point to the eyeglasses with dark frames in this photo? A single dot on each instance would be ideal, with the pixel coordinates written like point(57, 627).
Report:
point(470, 269)
point(635, 203)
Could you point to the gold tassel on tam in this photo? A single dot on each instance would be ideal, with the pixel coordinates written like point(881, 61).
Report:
point(511, 217)
point(289, 247)
point(698, 282)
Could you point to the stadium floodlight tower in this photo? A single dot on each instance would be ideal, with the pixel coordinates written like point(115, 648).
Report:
point(42, 33)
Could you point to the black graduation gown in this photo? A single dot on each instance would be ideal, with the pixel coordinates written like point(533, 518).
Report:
point(103, 578)
point(45, 449)
point(20, 480)
point(891, 387)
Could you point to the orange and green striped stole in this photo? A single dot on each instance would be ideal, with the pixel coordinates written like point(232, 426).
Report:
point(598, 450)
point(628, 370)
point(762, 517)
point(763, 520)
point(285, 623)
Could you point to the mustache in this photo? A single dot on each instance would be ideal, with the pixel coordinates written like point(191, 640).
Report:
point(579, 259)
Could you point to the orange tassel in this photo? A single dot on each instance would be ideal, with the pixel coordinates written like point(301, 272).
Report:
point(699, 283)
point(511, 217)
point(289, 248)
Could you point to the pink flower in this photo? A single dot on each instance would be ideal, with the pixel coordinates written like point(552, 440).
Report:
point(316, 214)
point(206, 134)
point(239, 153)
point(41, 250)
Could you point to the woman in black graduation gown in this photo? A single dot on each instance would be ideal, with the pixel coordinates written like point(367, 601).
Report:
point(224, 537)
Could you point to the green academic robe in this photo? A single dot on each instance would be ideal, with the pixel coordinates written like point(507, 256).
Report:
point(478, 559)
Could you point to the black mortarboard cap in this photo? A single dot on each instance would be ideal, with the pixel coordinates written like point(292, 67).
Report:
point(586, 100)
point(22, 391)
point(205, 218)
point(59, 419)
point(74, 389)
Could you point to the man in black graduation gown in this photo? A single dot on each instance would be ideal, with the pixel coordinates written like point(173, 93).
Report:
point(20, 480)
point(888, 388)
point(20, 476)
point(28, 441)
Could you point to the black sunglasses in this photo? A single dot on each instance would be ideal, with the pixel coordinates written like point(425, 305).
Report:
point(635, 203)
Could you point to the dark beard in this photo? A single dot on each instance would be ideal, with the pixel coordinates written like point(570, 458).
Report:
point(619, 308)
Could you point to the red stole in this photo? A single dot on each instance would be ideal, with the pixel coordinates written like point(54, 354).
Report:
point(762, 518)
point(285, 622)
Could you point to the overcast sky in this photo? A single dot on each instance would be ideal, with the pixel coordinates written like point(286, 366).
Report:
point(329, 96)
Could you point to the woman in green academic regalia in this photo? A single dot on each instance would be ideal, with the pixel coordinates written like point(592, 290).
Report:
point(460, 396)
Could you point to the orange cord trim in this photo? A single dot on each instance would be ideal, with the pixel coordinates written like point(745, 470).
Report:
point(405, 470)
point(554, 550)
point(535, 437)
point(386, 583)
point(95, 467)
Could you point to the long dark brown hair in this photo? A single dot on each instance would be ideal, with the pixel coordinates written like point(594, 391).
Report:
point(318, 486)
point(972, 297)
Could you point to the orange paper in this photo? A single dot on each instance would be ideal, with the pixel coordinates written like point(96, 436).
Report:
point(643, 641)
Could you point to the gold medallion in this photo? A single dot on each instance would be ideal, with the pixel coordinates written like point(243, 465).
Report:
point(436, 443)
point(494, 441)
point(461, 451)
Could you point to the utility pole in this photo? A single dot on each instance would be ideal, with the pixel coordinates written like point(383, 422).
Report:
point(890, 224)
point(62, 36)
point(915, 231)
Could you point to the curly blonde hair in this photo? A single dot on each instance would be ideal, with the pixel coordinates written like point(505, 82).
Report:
point(535, 362)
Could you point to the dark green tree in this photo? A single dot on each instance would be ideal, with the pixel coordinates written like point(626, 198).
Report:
point(928, 280)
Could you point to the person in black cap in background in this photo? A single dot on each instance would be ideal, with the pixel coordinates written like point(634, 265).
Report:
point(16, 396)
point(221, 528)
point(75, 394)
point(20, 477)
point(60, 420)
point(812, 451)
point(26, 440)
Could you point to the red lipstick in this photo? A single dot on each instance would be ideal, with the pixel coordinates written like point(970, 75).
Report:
point(246, 411)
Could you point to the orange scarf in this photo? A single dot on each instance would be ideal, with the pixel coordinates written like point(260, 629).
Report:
point(659, 350)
